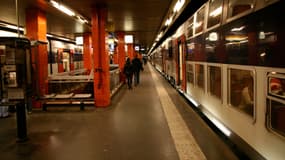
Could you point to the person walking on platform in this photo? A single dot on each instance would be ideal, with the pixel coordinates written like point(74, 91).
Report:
point(137, 68)
point(128, 71)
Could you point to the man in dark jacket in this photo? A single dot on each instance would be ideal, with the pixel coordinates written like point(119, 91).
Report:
point(137, 66)
point(128, 71)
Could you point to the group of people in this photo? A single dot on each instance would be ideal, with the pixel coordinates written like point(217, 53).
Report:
point(133, 68)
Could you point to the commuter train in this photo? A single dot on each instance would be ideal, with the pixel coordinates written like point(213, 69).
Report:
point(228, 60)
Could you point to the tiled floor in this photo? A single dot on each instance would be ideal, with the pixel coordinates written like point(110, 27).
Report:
point(141, 124)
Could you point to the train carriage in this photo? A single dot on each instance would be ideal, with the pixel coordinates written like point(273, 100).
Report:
point(228, 60)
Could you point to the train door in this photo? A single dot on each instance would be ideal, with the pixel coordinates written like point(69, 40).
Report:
point(181, 81)
point(180, 60)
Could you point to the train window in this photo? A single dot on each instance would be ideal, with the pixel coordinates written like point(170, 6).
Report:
point(276, 85)
point(215, 12)
point(276, 116)
point(199, 75)
point(236, 7)
point(199, 22)
point(211, 45)
point(241, 90)
point(190, 50)
point(190, 73)
point(237, 44)
point(190, 27)
point(215, 81)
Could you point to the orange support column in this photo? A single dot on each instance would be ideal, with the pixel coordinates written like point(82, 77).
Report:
point(130, 51)
point(87, 45)
point(121, 54)
point(101, 63)
point(36, 31)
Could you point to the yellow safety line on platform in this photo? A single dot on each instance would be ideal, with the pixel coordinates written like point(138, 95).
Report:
point(185, 143)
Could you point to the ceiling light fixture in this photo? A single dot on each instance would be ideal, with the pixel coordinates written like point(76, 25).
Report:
point(168, 21)
point(179, 4)
point(62, 8)
point(68, 11)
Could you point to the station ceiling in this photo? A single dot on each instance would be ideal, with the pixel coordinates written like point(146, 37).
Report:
point(142, 18)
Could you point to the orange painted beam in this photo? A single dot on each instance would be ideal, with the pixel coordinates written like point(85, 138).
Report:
point(36, 27)
point(87, 50)
point(121, 54)
point(101, 58)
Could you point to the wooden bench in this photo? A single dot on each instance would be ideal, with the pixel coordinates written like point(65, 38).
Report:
point(67, 100)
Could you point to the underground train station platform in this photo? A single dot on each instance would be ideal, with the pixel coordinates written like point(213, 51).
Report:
point(152, 121)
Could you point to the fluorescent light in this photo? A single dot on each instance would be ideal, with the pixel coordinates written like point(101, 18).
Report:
point(168, 21)
point(66, 10)
point(62, 8)
point(160, 35)
point(55, 4)
point(179, 4)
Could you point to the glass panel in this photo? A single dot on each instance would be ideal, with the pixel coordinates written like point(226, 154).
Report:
point(277, 116)
point(276, 87)
point(237, 46)
point(199, 76)
point(199, 23)
point(211, 46)
point(241, 90)
point(190, 50)
point(236, 7)
point(215, 81)
point(215, 12)
point(190, 73)
point(190, 27)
